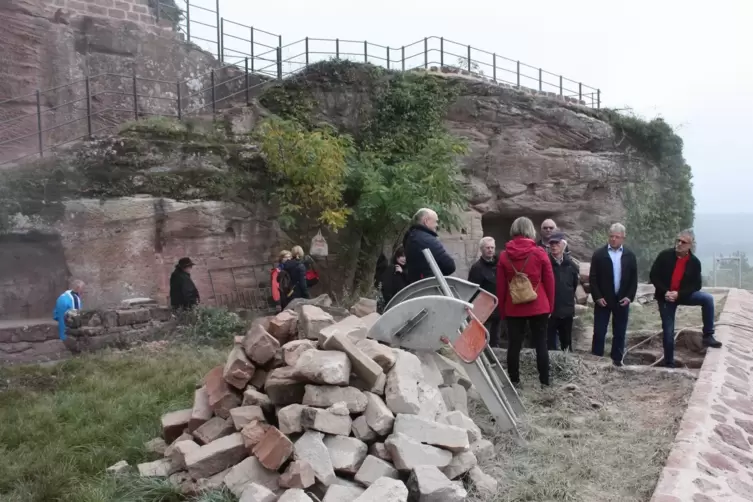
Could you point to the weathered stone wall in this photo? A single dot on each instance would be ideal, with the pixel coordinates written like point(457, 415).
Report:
point(137, 11)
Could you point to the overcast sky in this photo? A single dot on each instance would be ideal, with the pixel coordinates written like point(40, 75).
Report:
point(689, 62)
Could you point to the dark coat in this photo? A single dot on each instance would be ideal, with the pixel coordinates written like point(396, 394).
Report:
point(393, 281)
point(183, 292)
point(523, 254)
point(661, 275)
point(484, 273)
point(601, 277)
point(297, 271)
point(566, 278)
point(415, 241)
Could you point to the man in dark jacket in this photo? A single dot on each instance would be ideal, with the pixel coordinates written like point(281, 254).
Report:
point(614, 283)
point(422, 235)
point(566, 276)
point(484, 273)
point(295, 285)
point(183, 292)
point(676, 276)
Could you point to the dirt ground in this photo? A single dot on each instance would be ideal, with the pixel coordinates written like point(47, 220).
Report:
point(598, 434)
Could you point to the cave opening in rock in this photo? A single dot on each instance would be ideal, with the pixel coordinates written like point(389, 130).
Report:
point(498, 225)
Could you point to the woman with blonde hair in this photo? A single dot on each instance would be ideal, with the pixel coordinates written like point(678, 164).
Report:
point(284, 256)
point(292, 278)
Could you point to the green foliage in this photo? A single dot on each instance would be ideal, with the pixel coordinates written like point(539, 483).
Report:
point(210, 325)
point(291, 100)
point(308, 169)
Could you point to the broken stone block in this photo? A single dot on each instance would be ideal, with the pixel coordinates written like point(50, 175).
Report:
point(406, 453)
point(380, 353)
point(274, 449)
point(380, 451)
point(346, 453)
point(252, 433)
point(133, 316)
point(299, 474)
point(260, 376)
point(351, 326)
point(216, 456)
point(431, 402)
point(161, 468)
point(340, 409)
point(373, 468)
point(581, 297)
point(260, 346)
point(294, 495)
point(378, 416)
point(377, 388)
point(322, 396)
point(283, 386)
point(385, 490)
point(174, 423)
point(340, 493)
point(201, 411)
point(291, 351)
point(452, 372)
point(252, 397)
point(179, 450)
point(364, 307)
point(486, 485)
point(460, 464)
point(426, 431)
point(427, 483)
point(186, 436)
point(432, 375)
point(213, 482)
point(156, 445)
point(401, 391)
point(254, 492)
point(310, 447)
point(483, 449)
point(325, 421)
point(118, 468)
point(284, 326)
point(455, 398)
point(289, 419)
point(312, 320)
point(222, 398)
point(328, 367)
point(244, 414)
point(213, 429)
point(459, 419)
point(250, 471)
point(363, 365)
point(238, 369)
point(362, 431)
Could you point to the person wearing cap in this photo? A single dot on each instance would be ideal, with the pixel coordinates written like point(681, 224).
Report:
point(183, 292)
point(566, 277)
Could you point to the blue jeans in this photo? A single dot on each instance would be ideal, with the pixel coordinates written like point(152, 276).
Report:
point(619, 315)
point(667, 312)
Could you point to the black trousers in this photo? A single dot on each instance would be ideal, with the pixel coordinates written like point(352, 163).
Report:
point(494, 326)
point(561, 328)
point(516, 332)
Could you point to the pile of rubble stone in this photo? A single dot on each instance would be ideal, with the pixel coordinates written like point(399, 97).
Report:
point(308, 408)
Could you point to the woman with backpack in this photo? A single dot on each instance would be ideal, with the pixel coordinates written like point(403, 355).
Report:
point(284, 256)
point(292, 278)
point(525, 289)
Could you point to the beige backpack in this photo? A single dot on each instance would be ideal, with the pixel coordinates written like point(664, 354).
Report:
point(521, 289)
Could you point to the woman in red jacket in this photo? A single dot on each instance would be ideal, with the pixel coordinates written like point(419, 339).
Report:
point(523, 257)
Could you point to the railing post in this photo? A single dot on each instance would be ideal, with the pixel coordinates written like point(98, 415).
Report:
point(518, 73)
point(388, 58)
point(426, 53)
point(541, 81)
point(219, 34)
point(580, 92)
point(180, 109)
point(248, 100)
point(337, 48)
point(469, 59)
point(560, 85)
point(365, 51)
point(214, 101)
point(598, 98)
point(279, 63)
point(88, 108)
point(221, 40)
point(307, 51)
point(441, 53)
point(135, 96)
point(494, 66)
point(188, 20)
point(39, 123)
point(252, 49)
point(403, 56)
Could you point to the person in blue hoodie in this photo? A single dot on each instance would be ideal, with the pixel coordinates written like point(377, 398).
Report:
point(69, 300)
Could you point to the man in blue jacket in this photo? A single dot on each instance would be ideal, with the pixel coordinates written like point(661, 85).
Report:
point(70, 300)
point(422, 235)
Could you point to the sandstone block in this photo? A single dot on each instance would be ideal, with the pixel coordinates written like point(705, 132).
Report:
point(291, 351)
point(373, 468)
point(346, 453)
point(284, 326)
point(383, 355)
point(289, 419)
point(362, 431)
point(351, 326)
point(377, 388)
point(340, 493)
point(459, 419)
point(426, 431)
point(378, 416)
point(161, 314)
point(385, 490)
point(486, 485)
point(429, 368)
point(401, 390)
point(283, 386)
point(257, 493)
point(216, 456)
point(340, 408)
point(252, 397)
point(201, 411)
point(581, 297)
point(133, 316)
point(179, 451)
point(274, 449)
point(213, 429)
point(118, 467)
point(260, 346)
point(294, 495)
point(213, 482)
point(379, 450)
point(299, 474)
point(238, 369)
point(364, 307)
point(325, 421)
point(310, 447)
point(260, 376)
point(427, 483)
point(156, 445)
point(460, 464)
point(312, 320)
point(250, 471)
point(252, 433)
point(370, 319)
point(322, 396)
point(244, 414)
point(363, 365)
point(161, 468)
point(328, 367)
point(174, 423)
point(407, 453)
point(452, 372)
point(483, 449)
point(183, 437)
point(222, 398)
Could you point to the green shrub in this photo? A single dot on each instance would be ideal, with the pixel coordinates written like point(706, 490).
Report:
point(210, 325)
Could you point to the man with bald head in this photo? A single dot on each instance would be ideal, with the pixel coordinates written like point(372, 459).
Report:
point(548, 228)
point(422, 235)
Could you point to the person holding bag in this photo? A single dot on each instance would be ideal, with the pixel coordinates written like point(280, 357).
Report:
point(525, 289)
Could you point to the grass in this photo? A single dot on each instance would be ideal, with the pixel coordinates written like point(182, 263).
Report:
point(598, 435)
point(62, 425)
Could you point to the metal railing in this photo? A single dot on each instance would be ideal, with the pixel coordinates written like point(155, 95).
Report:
point(43, 121)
